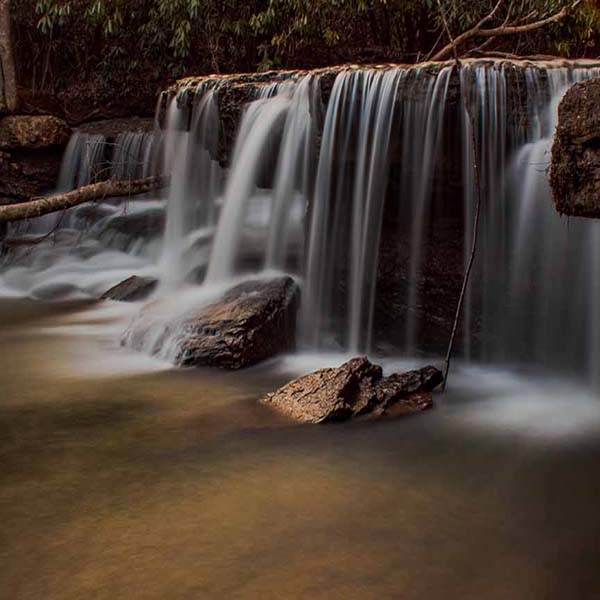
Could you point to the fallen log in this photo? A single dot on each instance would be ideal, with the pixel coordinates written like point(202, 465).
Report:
point(43, 205)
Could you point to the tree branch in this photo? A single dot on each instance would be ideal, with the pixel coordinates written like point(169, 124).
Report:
point(477, 181)
point(503, 30)
point(37, 207)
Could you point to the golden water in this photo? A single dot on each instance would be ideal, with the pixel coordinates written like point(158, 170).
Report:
point(177, 484)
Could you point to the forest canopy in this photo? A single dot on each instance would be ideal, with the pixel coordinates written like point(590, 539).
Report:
point(61, 43)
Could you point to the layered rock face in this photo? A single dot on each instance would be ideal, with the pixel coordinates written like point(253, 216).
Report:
point(575, 172)
point(30, 155)
point(355, 389)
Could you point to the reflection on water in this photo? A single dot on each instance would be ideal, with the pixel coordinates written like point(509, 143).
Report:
point(124, 479)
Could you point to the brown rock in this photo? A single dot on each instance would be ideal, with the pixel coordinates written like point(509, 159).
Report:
point(575, 169)
point(132, 289)
point(252, 322)
point(356, 388)
point(413, 403)
point(334, 394)
point(401, 386)
point(24, 174)
point(33, 132)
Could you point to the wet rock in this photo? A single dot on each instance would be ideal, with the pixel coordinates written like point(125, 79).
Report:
point(30, 154)
point(20, 132)
point(24, 174)
point(132, 289)
point(575, 170)
point(252, 322)
point(354, 389)
point(408, 386)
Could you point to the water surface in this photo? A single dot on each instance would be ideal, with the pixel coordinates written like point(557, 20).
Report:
point(123, 478)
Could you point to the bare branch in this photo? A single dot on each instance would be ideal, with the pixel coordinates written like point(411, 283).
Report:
point(502, 30)
point(37, 207)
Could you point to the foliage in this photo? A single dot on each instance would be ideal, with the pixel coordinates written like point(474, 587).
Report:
point(117, 40)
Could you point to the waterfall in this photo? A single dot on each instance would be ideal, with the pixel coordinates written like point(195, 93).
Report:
point(536, 276)
point(85, 250)
point(326, 170)
point(347, 209)
point(287, 160)
point(132, 156)
point(83, 161)
point(93, 157)
point(190, 157)
point(422, 128)
point(261, 128)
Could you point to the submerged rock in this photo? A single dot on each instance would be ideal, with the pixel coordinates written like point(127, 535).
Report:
point(575, 172)
point(356, 388)
point(132, 289)
point(253, 321)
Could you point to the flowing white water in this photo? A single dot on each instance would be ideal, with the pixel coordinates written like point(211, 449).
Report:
point(83, 161)
point(133, 155)
point(295, 170)
point(364, 101)
point(536, 275)
point(190, 158)
point(82, 252)
point(306, 193)
point(261, 128)
point(422, 128)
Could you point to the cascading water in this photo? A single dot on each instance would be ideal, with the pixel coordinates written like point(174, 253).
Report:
point(83, 161)
point(310, 187)
point(277, 131)
point(536, 282)
point(363, 101)
point(421, 129)
point(83, 251)
point(133, 155)
point(196, 180)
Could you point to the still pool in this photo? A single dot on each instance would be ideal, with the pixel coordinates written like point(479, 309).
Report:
point(121, 477)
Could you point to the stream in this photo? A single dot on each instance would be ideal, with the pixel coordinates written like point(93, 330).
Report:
point(122, 476)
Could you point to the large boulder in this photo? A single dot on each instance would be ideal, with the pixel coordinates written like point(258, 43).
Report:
point(20, 132)
point(575, 171)
point(356, 388)
point(253, 321)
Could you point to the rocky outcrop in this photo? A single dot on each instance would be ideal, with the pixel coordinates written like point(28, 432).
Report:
point(356, 388)
point(253, 321)
point(132, 289)
point(575, 172)
point(20, 132)
point(30, 155)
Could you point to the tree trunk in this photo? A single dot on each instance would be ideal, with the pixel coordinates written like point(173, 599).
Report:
point(8, 75)
point(37, 207)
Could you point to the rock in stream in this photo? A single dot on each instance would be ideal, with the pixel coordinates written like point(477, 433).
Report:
point(253, 321)
point(354, 389)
